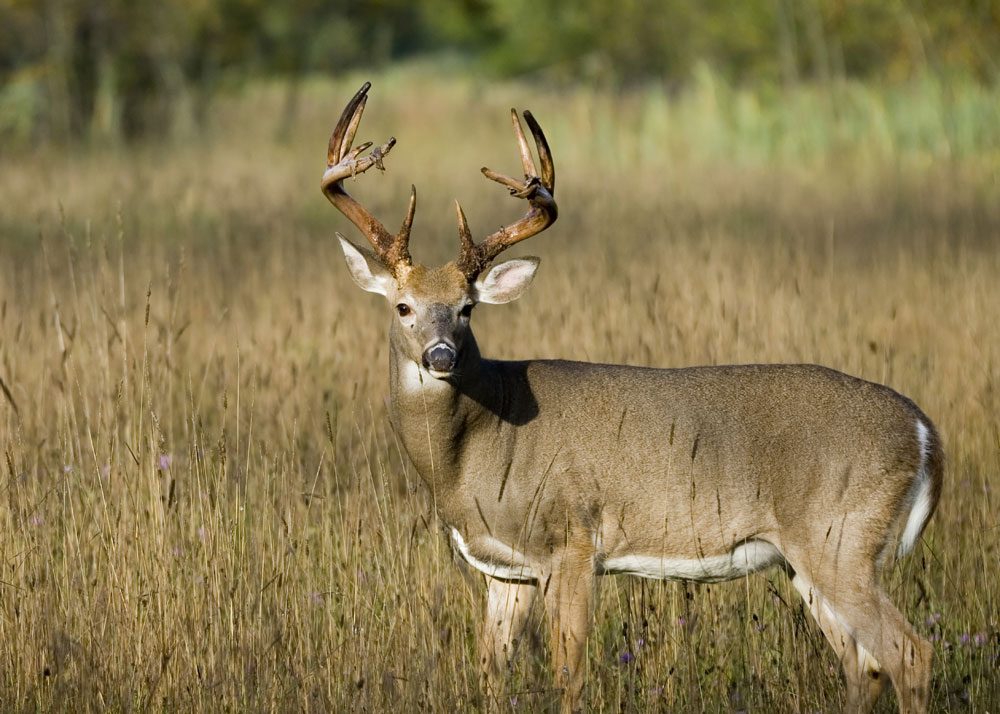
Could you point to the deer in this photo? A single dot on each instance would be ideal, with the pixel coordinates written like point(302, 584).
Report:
point(547, 474)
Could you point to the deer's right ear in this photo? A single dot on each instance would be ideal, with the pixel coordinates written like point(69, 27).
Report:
point(366, 268)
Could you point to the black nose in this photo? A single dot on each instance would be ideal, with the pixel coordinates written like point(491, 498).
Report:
point(440, 357)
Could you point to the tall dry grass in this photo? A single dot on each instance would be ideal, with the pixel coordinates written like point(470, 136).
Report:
point(205, 508)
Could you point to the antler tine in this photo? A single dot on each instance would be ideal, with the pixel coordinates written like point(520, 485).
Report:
point(352, 127)
point(344, 162)
point(404, 231)
point(536, 189)
point(464, 234)
point(522, 143)
point(399, 252)
point(544, 155)
point(512, 183)
point(350, 116)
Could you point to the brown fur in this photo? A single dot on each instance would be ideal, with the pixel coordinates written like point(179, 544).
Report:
point(445, 284)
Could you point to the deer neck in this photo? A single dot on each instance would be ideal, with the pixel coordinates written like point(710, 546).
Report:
point(431, 415)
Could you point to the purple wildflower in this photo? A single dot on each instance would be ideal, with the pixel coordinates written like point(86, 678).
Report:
point(165, 460)
point(626, 658)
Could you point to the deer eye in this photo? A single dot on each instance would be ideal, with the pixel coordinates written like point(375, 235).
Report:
point(466, 310)
point(403, 309)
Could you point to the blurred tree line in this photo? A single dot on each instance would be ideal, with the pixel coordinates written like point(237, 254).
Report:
point(108, 69)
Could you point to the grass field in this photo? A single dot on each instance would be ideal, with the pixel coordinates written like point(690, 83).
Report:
point(204, 507)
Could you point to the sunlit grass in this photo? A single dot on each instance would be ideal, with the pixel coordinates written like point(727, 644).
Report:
point(206, 509)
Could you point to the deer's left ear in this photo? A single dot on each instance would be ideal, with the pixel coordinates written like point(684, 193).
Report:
point(507, 281)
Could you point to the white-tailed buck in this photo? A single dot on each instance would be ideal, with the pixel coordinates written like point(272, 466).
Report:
point(549, 473)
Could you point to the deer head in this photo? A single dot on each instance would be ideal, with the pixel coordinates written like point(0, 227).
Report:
point(433, 305)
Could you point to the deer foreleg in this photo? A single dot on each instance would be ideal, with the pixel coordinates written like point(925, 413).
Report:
point(507, 607)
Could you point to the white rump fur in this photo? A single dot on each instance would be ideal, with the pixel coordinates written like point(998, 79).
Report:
point(920, 497)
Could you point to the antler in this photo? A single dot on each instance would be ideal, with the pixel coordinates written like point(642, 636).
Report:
point(342, 162)
point(537, 189)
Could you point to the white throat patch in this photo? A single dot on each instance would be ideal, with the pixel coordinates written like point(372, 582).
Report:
point(414, 378)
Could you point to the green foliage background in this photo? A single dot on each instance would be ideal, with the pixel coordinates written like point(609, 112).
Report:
point(108, 69)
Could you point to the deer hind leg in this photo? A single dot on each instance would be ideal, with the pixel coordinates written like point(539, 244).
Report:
point(865, 680)
point(507, 607)
point(904, 654)
point(883, 639)
point(568, 598)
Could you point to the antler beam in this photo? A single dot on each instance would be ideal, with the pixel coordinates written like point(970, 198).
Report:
point(343, 162)
point(537, 189)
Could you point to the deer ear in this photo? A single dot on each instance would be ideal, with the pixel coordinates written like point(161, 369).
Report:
point(366, 268)
point(507, 281)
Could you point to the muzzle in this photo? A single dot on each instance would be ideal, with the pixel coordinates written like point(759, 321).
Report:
point(440, 358)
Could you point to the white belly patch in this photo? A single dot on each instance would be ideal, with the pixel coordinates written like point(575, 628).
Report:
point(742, 560)
point(503, 562)
point(498, 560)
